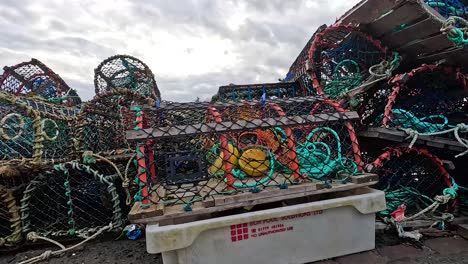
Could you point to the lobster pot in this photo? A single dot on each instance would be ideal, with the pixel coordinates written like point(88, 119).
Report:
point(123, 71)
point(10, 221)
point(298, 69)
point(371, 104)
point(428, 99)
point(189, 152)
point(340, 57)
point(35, 78)
point(16, 130)
point(58, 132)
point(71, 199)
point(256, 91)
point(409, 175)
point(103, 121)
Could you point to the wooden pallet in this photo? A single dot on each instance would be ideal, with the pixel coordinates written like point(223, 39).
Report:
point(409, 27)
point(399, 136)
point(220, 203)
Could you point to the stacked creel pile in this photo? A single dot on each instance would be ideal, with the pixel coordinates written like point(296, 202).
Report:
point(66, 167)
point(70, 168)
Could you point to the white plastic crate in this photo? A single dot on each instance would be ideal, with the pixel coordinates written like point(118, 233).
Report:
point(293, 234)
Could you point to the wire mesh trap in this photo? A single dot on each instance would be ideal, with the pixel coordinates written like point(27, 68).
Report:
point(428, 99)
point(410, 176)
point(340, 57)
point(188, 152)
point(34, 78)
point(123, 71)
point(269, 91)
point(103, 121)
point(71, 199)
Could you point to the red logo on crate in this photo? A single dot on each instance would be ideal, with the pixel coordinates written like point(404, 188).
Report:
point(239, 232)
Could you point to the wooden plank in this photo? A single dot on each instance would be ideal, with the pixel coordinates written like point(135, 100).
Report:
point(221, 200)
point(367, 11)
point(406, 13)
point(419, 30)
point(463, 230)
point(427, 45)
point(400, 136)
point(162, 132)
point(451, 56)
point(176, 212)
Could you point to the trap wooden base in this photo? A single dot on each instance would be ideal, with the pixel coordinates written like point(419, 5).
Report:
point(220, 203)
point(395, 135)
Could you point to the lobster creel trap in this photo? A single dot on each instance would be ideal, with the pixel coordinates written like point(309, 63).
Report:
point(34, 78)
point(269, 91)
point(72, 199)
point(123, 71)
point(428, 99)
point(191, 153)
point(340, 57)
point(411, 177)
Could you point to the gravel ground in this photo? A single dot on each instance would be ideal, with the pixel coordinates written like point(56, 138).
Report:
point(95, 252)
point(107, 250)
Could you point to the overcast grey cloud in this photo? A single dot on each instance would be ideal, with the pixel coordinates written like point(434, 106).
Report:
point(192, 46)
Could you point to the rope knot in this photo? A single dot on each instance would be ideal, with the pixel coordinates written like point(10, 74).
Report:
point(442, 199)
point(32, 236)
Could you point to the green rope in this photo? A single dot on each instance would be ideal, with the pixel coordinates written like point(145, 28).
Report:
point(459, 39)
point(71, 221)
point(406, 119)
point(340, 84)
point(315, 158)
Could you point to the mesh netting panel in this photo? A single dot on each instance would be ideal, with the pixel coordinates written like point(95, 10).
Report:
point(256, 91)
point(298, 68)
point(122, 71)
point(189, 152)
point(72, 199)
point(16, 131)
point(103, 121)
point(340, 57)
point(448, 8)
point(36, 79)
point(371, 105)
point(410, 176)
point(428, 99)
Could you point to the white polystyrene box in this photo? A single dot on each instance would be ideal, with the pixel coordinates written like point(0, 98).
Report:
point(292, 234)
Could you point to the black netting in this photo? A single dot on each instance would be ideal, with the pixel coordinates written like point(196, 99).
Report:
point(410, 176)
point(189, 152)
point(428, 99)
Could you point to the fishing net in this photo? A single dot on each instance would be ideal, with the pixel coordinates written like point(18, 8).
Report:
point(190, 152)
point(103, 121)
point(123, 71)
point(410, 176)
point(429, 99)
point(340, 57)
point(35, 79)
point(258, 91)
point(448, 8)
point(299, 67)
point(70, 200)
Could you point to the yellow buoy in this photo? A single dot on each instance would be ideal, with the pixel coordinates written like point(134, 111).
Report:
point(218, 165)
point(254, 162)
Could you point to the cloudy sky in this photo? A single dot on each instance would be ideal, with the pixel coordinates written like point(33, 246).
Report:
point(192, 46)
